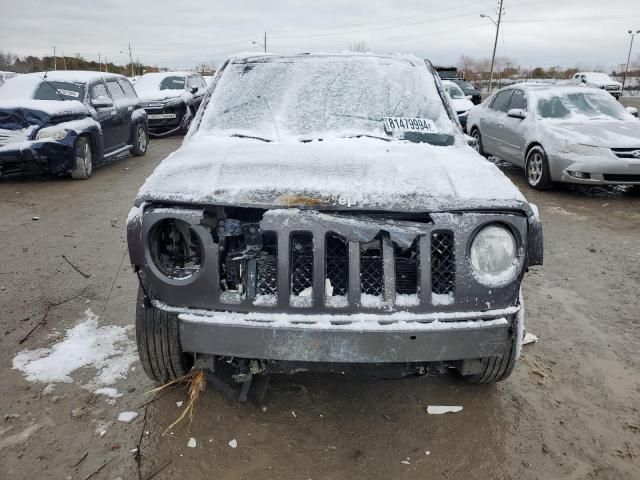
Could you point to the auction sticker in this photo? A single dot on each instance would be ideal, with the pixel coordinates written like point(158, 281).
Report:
point(404, 124)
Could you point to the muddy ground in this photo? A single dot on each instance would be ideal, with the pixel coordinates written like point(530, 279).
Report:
point(570, 410)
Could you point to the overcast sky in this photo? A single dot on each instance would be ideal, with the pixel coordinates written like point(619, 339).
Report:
point(166, 33)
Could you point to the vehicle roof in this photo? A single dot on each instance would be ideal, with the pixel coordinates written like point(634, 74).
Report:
point(254, 57)
point(550, 87)
point(75, 76)
point(166, 74)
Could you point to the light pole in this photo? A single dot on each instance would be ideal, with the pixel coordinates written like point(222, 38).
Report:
point(263, 45)
point(130, 59)
point(495, 43)
point(626, 70)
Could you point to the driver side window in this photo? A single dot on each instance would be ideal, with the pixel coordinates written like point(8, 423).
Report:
point(501, 101)
point(99, 91)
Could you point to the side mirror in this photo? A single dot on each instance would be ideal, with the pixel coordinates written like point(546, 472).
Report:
point(632, 110)
point(194, 89)
point(517, 113)
point(101, 102)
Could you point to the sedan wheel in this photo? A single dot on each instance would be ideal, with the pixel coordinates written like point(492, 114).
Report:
point(537, 170)
point(478, 138)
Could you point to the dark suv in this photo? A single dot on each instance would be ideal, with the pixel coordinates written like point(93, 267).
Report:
point(68, 122)
point(327, 209)
point(171, 100)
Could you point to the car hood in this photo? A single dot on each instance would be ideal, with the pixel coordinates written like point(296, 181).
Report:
point(461, 104)
point(337, 174)
point(600, 133)
point(161, 95)
point(25, 114)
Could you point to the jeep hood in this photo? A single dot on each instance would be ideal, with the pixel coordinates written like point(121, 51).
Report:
point(162, 95)
point(23, 114)
point(359, 173)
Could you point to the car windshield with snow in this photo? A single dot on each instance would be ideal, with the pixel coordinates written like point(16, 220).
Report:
point(67, 122)
point(560, 133)
point(171, 100)
point(327, 209)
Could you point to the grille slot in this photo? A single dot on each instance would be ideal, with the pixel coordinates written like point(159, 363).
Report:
point(371, 275)
point(301, 262)
point(337, 263)
point(406, 276)
point(443, 266)
point(267, 275)
point(623, 177)
point(625, 153)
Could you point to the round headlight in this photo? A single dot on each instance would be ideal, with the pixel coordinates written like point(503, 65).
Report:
point(493, 251)
point(175, 248)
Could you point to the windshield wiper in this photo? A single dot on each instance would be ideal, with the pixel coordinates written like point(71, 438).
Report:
point(241, 135)
point(359, 135)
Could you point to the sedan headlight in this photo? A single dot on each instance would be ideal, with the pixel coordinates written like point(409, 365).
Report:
point(493, 254)
point(53, 133)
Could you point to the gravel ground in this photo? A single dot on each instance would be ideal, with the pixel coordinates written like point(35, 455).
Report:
point(571, 409)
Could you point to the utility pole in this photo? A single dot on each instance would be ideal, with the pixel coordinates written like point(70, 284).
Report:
point(131, 59)
point(265, 43)
point(99, 62)
point(55, 61)
point(495, 45)
point(626, 70)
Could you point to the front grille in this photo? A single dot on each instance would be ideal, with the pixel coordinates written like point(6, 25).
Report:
point(443, 265)
point(633, 153)
point(370, 269)
point(622, 177)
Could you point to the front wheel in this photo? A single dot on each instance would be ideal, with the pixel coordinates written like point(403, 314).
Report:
point(475, 133)
point(83, 159)
point(499, 368)
point(537, 169)
point(158, 340)
point(140, 140)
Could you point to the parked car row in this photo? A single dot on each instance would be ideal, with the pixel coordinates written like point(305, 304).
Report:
point(68, 122)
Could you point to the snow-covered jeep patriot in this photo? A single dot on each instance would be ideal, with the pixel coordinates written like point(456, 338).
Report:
point(327, 210)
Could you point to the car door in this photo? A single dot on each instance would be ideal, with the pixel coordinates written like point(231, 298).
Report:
point(105, 116)
point(512, 133)
point(492, 123)
point(123, 116)
point(132, 103)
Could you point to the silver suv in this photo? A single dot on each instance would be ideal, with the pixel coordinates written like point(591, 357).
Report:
point(327, 209)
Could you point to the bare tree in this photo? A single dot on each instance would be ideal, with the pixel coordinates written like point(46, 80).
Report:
point(359, 46)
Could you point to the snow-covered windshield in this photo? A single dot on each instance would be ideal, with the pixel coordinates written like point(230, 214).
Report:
point(35, 87)
point(154, 82)
point(304, 98)
point(453, 90)
point(594, 105)
point(50, 90)
point(598, 77)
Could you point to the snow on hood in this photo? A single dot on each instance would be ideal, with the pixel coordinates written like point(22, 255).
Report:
point(357, 173)
point(598, 133)
point(461, 104)
point(148, 87)
point(160, 95)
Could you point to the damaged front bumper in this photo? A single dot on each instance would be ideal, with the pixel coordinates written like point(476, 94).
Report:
point(37, 157)
point(361, 338)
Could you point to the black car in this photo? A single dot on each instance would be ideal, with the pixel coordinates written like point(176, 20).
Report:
point(171, 100)
point(468, 90)
point(67, 122)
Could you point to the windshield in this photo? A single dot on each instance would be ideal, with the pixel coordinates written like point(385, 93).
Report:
point(464, 85)
point(172, 83)
point(453, 90)
point(50, 90)
point(321, 96)
point(591, 105)
point(598, 77)
point(152, 83)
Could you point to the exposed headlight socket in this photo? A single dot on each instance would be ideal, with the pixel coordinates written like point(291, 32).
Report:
point(175, 249)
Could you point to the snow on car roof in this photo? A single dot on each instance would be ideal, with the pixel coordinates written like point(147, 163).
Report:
point(77, 76)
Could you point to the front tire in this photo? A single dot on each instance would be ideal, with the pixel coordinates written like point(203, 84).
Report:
point(83, 158)
point(537, 169)
point(499, 368)
point(158, 340)
point(475, 133)
point(140, 140)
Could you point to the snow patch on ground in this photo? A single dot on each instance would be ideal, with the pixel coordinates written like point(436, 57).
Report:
point(106, 349)
point(127, 417)
point(109, 392)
